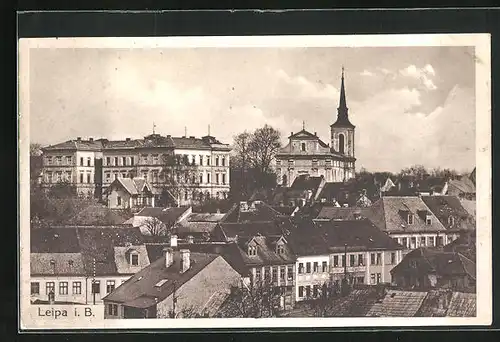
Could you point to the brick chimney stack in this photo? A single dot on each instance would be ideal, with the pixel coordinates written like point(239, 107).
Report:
point(173, 241)
point(185, 260)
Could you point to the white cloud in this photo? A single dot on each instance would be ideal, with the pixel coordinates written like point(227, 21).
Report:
point(300, 86)
point(422, 74)
point(367, 73)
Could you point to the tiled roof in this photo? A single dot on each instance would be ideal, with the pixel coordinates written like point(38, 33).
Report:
point(450, 206)
point(82, 145)
point(134, 186)
point(357, 303)
point(357, 235)
point(257, 212)
point(99, 215)
point(462, 305)
point(266, 252)
point(285, 210)
point(389, 214)
point(56, 264)
point(54, 240)
point(464, 185)
point(339, 191)
point(204, 217)
point(472, 176)
point(434, 260)
point(465, 245)
point(342, 213)
point(121, 144)
point(165, 215)
point(398, 304)
point(140, 290)
point(469, 206)
point(101, 244)
point(249, 229)
point(306, 182)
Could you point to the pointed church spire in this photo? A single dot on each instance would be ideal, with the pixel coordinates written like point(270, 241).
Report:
point(342, 110)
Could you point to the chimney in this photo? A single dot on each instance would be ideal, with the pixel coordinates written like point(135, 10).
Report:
point(315, 134)
point(173, 241)
point(190, 239)
point(243, 206)
point(291, 133)
point(79, 139)
point(91, 139)
point(185, 260)
point(127, 139)
point(169, 256)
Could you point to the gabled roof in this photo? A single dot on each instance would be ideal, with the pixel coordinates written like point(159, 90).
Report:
point(54, 240)
point(342, 213)
point(99, 215)
point(464, 185)
point(140, 290)
point(251, 211)
point(389, 214)
point(356, 234)
point(357, 303)
point(398, 304)
point(56, 264)
point(462, 305)
point(81, 145)
point(306, 182)
point(433, 260)
point(445, 207)
point(134, 186)
point(472, 176)
point(285, 210)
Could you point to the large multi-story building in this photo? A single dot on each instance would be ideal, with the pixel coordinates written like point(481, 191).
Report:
point(306, 153)
point(196, 168)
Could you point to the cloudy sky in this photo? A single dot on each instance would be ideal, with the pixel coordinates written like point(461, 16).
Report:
point(410, 105)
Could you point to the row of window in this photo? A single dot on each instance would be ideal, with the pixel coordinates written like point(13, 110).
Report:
point(354, 260)
point(252, 250)
point(157, 176)
point(272, 273)
point(180, 159)
point(422, 241)
point(67, 160)
point(58, 176)
point(76, 287)
point(328, 162)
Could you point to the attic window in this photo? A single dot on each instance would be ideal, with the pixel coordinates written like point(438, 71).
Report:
point(252, 250)
point(161, 283)
point(451, 220)
point(134, 258)
point(428, 219)
point(280, 249)
point(303, 146)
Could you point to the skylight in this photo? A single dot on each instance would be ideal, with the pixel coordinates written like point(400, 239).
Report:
point(161, 282)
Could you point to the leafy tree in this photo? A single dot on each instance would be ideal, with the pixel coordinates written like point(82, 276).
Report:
point(178, 179)
point(156, 227)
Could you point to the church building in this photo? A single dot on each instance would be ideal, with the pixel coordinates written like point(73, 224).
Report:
point(307, 154)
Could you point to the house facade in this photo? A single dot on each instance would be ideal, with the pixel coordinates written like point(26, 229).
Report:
point(129, 193)
point(307, 154)
point(410, 222)
point(427, 268)
point(197, 167)
point(74, 265)
point(331, 251)
point(180, 284)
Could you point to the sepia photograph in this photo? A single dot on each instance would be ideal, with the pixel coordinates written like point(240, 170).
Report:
point(274, 181)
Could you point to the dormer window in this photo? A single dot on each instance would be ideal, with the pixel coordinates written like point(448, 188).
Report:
point(451, 220)
point(252, 250)
point(134, 258)
point(280, 249)
point(428, 219)
point(409, 218)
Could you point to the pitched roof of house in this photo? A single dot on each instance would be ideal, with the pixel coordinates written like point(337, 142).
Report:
point(54, 240)
point(464, 185)
point(445, 207)
point(134, 186)
point(465, 245)
point(99, 215)
point(257, 211)
point(78, 144)
point(285, 210)
point(266, 252)
point(356, 234)
point(109, 247)
point(56, 264)
point(389, 214)
point(437, 261)
point(357, 303)
point(342, 213)
point(342, 192)
point(472, 176)
point(462, 305)
point(306, 182)
point(398, 304)
point(469, 206)
point(198, 223)
point(141, 290)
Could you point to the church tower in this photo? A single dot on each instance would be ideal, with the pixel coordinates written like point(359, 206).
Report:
point(342, 131)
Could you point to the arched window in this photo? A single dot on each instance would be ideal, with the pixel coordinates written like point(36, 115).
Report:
point(285, 179)
point(303, 146)
point(341, 143)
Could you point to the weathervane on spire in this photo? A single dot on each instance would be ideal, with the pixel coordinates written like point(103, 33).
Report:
point(342, 70)
point(303, 125)
point(154, 127)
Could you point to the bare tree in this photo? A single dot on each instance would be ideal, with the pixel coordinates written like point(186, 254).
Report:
point(180, 178)
point(255, 299)
point(155, 227)
point(35, 149)
point(263, 146)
